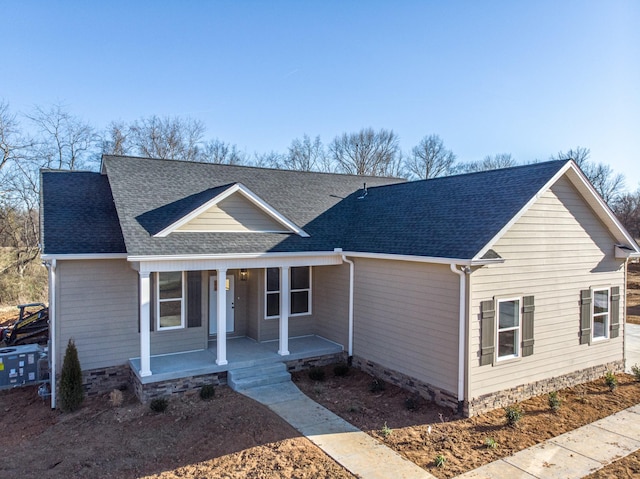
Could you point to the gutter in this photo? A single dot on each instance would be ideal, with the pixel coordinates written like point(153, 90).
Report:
point(462, 329)
point(351, 285)
point(51, 266)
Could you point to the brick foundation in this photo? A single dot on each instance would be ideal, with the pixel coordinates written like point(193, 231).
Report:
point(428, 391)
point(308, 363)
point(503, 398)
point(175, 387)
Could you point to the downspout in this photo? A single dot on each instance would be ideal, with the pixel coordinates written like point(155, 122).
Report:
point(462, 321)
point(351, 281)
point(52, 330)
point(624, 319)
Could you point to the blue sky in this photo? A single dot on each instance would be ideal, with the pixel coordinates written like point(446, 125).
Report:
point(526, 78)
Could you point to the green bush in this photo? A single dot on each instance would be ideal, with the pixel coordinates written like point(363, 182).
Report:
point(440, 460)
point(71, 392)
point(159, 405)
point(208, 391)
point(635, 369)
point(611, 381)
point(554, 401)
point(377, 385)
point(316, 374)
point(341, 369)
point(513, 414)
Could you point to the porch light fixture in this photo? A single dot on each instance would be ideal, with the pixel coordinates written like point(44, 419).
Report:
point(243, 274)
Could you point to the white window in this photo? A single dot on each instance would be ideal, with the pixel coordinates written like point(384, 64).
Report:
point(300, 291)
point(299, 296)
point(508, 330)
point(600, 314)
point(170, 304)
point(272, 296)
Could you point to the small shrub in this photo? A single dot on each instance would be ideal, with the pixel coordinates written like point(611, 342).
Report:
point(377, 385)
point(386, 430)
point(207, 392)
point(341, 369)
point(316, 374)
point(490, 443)
point(440, 460)
point(412, 403)
point(116, 398)
point(635, 369)
point(354, 408)
point(71, 392)
point(159, 405)
point(513, 414)
point(554, 401)
point(611, 381)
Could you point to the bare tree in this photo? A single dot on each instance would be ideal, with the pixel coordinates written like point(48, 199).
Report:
point(306, 155)
point(271, 159)
point(12, 142)
point(490, 162)
point(430, 159)
point(627, 209)
point(606, 182)
point(171, 138)
point(63, 141)
point(367, 152)
point(115, 141)
point(217, 151)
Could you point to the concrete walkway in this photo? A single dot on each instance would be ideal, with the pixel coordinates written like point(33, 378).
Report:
point(355, 450)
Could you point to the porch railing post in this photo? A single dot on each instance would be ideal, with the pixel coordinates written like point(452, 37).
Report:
point(283, 349)
point(221, 338)
point(145, 324)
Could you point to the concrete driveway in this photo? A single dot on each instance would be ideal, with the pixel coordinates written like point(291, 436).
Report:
point(632, 345)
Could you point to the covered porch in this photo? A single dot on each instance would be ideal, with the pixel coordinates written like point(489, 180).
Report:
point(241, 353)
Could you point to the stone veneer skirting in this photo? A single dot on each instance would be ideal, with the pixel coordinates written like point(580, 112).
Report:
point(175, 387)
point(428, 391)
point(307, 363)
point(503, 398)
point(103, 380)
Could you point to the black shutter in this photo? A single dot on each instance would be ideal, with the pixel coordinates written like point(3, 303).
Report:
point(614, 331)
point(527, 325)
point(194, 299)
point(487, 332)
point(585, 316)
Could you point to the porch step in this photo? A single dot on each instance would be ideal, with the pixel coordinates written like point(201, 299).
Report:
point(246, 378)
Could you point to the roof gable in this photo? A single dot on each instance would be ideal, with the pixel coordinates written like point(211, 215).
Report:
point(233, 209)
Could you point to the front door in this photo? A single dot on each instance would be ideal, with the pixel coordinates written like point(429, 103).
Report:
point(213, 304)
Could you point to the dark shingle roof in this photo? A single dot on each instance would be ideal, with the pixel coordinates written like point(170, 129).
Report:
point(78, 214)
point(452, 217)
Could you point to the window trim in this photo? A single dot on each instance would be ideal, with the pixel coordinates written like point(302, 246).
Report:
point(291, 291)
point(518, 329)
point(607, 314)
point(181, 299)
point(267, 293)
point(279, 292)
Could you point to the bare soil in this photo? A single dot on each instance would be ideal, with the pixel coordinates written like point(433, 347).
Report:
point(231, 436)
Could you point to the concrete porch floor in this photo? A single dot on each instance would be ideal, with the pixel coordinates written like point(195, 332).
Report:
point(241, 353)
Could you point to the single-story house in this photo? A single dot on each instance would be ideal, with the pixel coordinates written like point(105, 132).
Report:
point(474, 290)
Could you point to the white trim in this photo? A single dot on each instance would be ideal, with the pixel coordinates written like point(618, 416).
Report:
point(145, 323)
point(182, 300)
point(351, 283)
point(577, 178)
point(248, 194)
point(84, 256)
point(425, 259)
point(607, 324)
point(462, 323)
point(234, 231)
point(279, 292)
point(52, 331)
point(518, 328)
point(309, 310)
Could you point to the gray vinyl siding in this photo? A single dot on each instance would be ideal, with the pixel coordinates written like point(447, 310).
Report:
point(97, 306)
point(331, 303)
point(235, 213)
point(557, 248)
point(406, 318)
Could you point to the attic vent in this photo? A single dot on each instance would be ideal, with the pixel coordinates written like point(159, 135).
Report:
point(364, 192)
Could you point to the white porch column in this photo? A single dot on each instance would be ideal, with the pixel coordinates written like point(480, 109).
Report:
point(284, 312)
point(221, 338)
point(145, 324)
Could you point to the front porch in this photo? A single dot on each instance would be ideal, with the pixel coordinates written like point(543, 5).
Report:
point(241, 353)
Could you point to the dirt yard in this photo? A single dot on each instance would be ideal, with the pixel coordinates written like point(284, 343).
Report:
point(230, 436)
